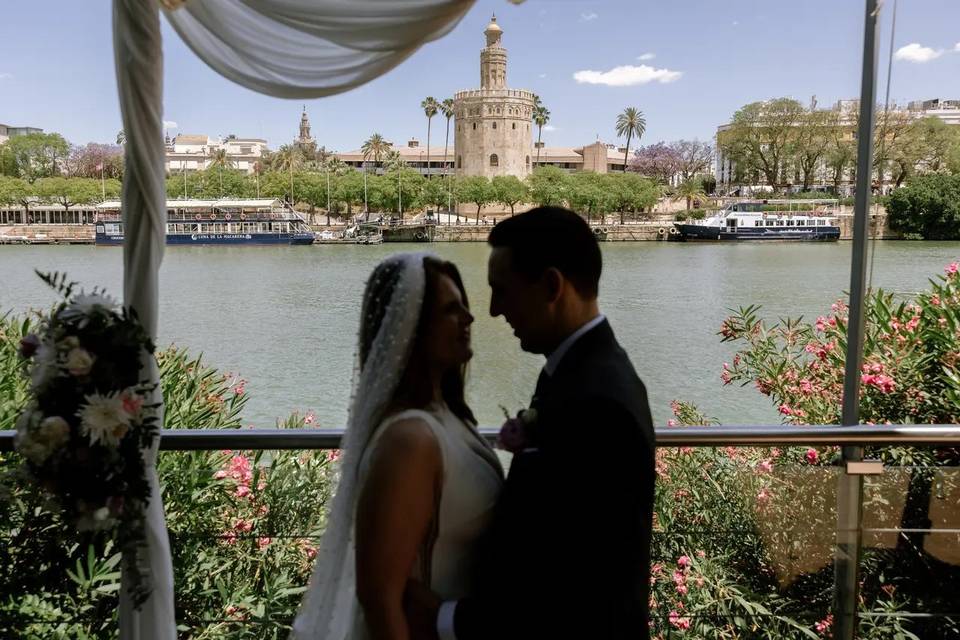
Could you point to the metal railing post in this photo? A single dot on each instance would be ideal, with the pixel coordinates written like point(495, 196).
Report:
point(850, 490)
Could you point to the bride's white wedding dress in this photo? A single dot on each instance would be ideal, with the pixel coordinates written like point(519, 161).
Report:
point(472, 477)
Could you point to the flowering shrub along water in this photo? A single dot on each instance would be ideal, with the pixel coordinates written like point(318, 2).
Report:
point(762, 519)
point(86, 422)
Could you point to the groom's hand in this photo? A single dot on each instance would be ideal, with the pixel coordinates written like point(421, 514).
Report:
point(421, 605)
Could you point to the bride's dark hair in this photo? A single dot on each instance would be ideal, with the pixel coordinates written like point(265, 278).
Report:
point(414, 390)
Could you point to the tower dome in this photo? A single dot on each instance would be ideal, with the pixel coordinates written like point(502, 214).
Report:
point(493, 32)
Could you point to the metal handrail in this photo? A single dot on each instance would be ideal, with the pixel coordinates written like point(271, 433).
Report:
point(754, 435)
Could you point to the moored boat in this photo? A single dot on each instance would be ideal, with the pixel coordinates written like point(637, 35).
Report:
point(808, 220)
point(261, 221)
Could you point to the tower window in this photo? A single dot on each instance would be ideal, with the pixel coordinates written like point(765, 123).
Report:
point(474, 126)
point(514, 125)
point(494, 125)
point(494, 160)
point(528, 162)
point(458, 162)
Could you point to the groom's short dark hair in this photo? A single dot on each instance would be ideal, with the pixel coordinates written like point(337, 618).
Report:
point(555, 237)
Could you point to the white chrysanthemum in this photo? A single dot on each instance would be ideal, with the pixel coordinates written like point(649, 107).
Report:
point(85, 304)
point(103, 419)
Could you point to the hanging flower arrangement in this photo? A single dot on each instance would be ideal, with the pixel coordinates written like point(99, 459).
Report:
point(89, 419)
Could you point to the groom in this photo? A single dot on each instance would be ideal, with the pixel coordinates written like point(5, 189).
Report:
point(568, 552)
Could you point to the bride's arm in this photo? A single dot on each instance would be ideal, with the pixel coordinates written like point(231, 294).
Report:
point(394, 514)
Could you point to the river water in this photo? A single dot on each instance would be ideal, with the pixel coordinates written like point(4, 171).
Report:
point(286, 318)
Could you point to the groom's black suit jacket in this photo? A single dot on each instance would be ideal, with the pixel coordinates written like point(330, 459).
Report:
point(568, 552)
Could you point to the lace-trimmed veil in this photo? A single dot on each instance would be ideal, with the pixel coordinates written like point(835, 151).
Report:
point(388, 321)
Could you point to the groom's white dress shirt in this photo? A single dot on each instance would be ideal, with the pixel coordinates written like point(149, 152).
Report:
point(448, 609)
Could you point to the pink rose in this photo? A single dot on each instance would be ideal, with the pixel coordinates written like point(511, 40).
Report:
point(812, 456)
point(513, 436)
point(28, 345)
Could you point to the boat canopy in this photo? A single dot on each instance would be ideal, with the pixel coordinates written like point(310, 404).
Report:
point(252, 203)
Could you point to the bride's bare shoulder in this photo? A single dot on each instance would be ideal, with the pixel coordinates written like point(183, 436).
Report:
point(410, 434)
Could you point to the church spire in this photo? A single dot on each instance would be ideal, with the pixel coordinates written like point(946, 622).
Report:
point(304, 137)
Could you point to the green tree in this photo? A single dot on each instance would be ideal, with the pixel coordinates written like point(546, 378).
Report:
point(541, 116)
point(37, 155)
point(811, 142)
point(17, 191)
point(69, 192)
point(375, 147)
point(929, 206)
point(587, 195)
point(759, 137)
point(475, 189)
point(842, 149)
point(509, 190)
point(349, 190)
point(629, 123)
point(446, 108)
point(631, 193)
point(548, 186)
point(435, 194)
point(220, 160)
point(430, 108)
point(691, 190)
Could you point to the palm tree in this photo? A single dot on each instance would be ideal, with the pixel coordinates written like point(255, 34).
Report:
point(692, 189)
point(430, 107)
point(287, 158)
point(220, 159)
point(541, 116)
point(392, 160)
point(630, 122)
point(374, 147)
point(446, 108)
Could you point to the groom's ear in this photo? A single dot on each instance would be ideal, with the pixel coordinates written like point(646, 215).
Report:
point(553, 280)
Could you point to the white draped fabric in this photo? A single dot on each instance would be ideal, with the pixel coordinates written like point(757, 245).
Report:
point(310, 48)
point(283, 48)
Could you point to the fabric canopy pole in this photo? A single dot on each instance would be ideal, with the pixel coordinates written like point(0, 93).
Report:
point(139, 67)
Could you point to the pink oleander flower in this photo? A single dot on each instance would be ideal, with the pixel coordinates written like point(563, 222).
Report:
point(699, 582)
point(822, 324)
point(686, 450)
point(675, 407)
point(679, 622)
point(679, 577)
point(811, 456)
point(726, 378)
point(806, 387)
point(683, 561)
point(671, 422)
point(242, 525)
point(263, 543)
point(785, 410)
point(311, 553)
point(682, 589)
point(951, 269)
point(763, 495)
point(333, 455)
point(824, 625)
point(701, 553)
point(310, 418)
point(239, 389)
point(935, 300)
point(765, 466)
point(220, 475)
point(242, 491)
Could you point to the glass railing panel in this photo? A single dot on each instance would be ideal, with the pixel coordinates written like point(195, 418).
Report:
point(910, 566)
point(743, 544)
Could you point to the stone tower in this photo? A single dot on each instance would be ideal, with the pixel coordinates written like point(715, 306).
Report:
point(304, 139)
point(493, 136)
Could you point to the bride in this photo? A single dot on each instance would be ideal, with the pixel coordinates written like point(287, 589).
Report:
point(417, 483)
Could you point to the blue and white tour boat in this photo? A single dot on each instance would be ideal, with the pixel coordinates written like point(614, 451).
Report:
point(803, 220)
point(260, 221)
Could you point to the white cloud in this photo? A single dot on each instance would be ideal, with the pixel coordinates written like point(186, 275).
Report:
point(914, 52)
point(549, 127)
point(170, 124)
point(736, 22)
point(587, 17)
point(542, 75)
point(647, 56)
point(9, 76)
point(956, 47)
point(627, 75)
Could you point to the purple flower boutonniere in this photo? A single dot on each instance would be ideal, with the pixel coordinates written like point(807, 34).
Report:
point(516, 433)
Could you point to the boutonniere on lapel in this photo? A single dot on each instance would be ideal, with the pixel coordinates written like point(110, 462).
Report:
point(516, 434)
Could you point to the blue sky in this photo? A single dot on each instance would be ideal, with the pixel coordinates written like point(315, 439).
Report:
point(694, 62)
